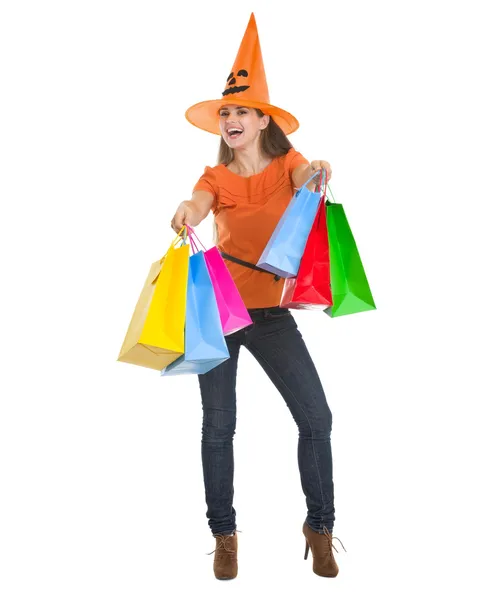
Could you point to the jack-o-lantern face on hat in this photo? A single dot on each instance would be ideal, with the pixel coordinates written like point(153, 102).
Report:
point(231, 82)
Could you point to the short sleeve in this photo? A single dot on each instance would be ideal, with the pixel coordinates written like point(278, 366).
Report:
point(208, 183)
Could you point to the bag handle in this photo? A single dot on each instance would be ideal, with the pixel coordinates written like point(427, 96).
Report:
point(318, 186)
point(194, 247)
point(334, 202)
point(191, 235)
point(326, 185)
point(322, 171)
point(178, 238)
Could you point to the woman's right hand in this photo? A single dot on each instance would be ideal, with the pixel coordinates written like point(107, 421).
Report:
point(183, 216)
point(192, 212)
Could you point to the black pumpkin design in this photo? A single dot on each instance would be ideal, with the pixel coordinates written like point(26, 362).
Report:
point(231, 81)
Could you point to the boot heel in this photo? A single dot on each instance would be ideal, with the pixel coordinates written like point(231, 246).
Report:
point(307, 548)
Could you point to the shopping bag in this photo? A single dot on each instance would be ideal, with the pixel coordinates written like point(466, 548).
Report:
point(350, 288)
point(232, 310)
point(310, 289)
point(155, 336)
point(205, 345)
point(285, 248)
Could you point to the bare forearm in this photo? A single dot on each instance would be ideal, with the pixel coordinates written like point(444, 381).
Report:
point(302, 174)
point(196, 213)
point(192, 212)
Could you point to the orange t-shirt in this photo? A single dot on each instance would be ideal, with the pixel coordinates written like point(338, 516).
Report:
point(247, 211)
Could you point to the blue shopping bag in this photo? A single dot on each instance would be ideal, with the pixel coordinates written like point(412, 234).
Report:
point(205, 345)
point(285, 248)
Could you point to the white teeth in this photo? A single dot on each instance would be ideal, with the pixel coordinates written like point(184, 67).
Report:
point(232, 131)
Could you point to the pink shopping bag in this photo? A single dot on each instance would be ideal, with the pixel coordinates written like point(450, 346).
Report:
point(233, 312)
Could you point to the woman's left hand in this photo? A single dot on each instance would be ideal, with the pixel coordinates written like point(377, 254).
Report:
point(321, 164)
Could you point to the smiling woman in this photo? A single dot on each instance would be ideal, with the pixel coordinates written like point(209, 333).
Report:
point(248, 191)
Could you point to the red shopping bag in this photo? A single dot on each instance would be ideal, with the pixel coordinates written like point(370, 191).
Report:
point(310, 289)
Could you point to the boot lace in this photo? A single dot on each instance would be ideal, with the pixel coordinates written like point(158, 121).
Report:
point(222, 539)
point(329, 538)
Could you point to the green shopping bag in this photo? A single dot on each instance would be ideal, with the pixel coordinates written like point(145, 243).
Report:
point(350, 289)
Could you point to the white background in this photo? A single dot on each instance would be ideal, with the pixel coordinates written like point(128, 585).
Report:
point(102, 489)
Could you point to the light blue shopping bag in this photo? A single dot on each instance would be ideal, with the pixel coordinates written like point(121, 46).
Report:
point(205, 345)
point(285, 248)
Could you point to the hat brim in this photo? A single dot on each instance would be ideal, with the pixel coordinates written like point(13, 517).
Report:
point(205, 115)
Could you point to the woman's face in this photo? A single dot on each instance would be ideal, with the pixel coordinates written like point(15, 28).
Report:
point(245, 121)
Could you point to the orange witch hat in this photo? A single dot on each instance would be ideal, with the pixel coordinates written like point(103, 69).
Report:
point(246, 86)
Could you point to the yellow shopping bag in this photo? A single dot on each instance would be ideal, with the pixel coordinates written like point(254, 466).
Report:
point(156, 334)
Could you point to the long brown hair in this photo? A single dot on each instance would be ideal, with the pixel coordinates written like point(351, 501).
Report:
point(273, 142)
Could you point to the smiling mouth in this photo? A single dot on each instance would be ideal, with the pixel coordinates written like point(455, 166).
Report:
point(234, 133)
point(235, 89)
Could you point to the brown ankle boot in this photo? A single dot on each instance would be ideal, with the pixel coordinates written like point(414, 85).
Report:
point(225, 559)
point(324, 563)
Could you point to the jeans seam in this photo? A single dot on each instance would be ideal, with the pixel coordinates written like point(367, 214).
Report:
point(304, 413)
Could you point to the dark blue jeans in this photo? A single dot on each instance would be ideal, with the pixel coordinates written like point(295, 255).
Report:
point(278, 346)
